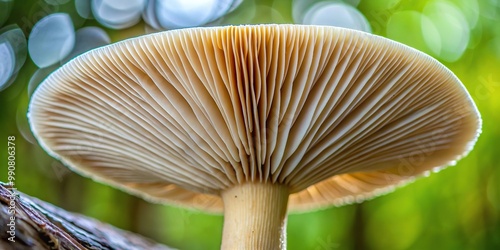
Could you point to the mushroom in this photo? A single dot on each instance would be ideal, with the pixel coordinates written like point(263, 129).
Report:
point(254, 121)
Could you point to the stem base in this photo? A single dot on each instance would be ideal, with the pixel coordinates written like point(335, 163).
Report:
point(255, 216)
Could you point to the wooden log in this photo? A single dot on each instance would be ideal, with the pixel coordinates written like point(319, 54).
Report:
point(29, 223)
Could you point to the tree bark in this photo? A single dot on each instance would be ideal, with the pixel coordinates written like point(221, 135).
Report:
point(29, 223)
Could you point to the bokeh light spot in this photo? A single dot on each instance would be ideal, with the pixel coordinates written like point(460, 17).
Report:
point(181, 14)
point(13, 53)
point(336, 14)
point(118, 14)
point(83, 8)
point(7, 61)
point(51, 39)
point(452, 29)
point(406, 27)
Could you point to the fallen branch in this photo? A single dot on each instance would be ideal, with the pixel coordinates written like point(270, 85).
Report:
point(40, 225)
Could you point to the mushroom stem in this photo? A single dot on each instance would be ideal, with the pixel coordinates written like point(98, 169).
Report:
point(255, 216)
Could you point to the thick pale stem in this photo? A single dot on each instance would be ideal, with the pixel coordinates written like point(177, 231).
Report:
point(255, 217)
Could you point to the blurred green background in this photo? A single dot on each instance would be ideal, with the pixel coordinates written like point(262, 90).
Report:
point(457, 208)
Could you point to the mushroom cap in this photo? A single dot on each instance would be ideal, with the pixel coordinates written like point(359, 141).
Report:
point(336, 115)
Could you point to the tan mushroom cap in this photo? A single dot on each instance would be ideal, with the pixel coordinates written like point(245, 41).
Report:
point(334, 114)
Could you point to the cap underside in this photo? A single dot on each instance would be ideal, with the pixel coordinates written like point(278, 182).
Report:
point(179, 116)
